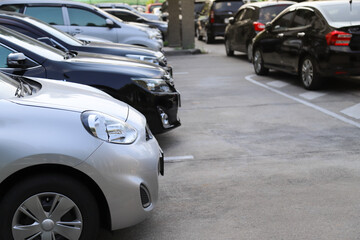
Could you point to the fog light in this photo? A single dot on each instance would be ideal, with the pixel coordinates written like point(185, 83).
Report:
point(164, 118)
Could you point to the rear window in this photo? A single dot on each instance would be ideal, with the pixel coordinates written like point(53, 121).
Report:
point(229, 6)
point(341, 12)
point(267, 14)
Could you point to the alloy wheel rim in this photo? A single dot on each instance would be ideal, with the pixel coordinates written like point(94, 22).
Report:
point(257, 61)
point(47, 216)
point(307, 72)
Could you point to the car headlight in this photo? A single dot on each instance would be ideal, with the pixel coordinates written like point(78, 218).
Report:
point(108, 128)
point(143, 58)
point(153, 84)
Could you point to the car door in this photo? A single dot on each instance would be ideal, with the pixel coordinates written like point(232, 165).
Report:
point(297, 38)
point(32, 69)
point(53, 15)
point(243, 28)
point(86, 22)
point(272, 41)
point(233, 28)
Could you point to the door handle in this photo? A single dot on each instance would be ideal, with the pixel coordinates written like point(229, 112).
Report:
point(280, 35)
point(77, 31)
point(301, 34)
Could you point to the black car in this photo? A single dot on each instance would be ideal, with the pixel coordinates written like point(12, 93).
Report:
point(54, 37)
point(249, 20)
point(312, 39)
point(129, 16)
point(145, 86)
point(214, 17)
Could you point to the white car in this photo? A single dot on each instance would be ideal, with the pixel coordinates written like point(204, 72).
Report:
point(72, 157)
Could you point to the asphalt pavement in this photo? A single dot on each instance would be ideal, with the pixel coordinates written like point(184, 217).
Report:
point(256, 157)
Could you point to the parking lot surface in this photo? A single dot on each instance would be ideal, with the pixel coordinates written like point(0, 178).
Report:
point(256, 157)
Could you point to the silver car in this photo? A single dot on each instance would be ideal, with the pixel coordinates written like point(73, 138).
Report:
point(71, 159)
point(81, 18)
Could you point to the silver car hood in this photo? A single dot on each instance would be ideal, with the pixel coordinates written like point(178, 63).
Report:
point(73, 97)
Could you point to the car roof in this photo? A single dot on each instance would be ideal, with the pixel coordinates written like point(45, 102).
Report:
point(266, 4)
point(45, 2)
point(318, 4)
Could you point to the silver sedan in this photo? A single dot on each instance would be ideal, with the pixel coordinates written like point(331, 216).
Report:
point(72, 159)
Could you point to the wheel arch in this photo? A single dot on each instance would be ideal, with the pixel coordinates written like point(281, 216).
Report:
point(23, 174)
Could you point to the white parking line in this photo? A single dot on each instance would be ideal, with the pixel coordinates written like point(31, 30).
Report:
point(180, 73)
point(277, 84)
point(353, 111)
point(323, 110)
point(178, 158)
point(312, 95)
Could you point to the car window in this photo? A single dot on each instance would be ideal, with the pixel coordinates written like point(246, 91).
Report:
point(22, 30)
point(82, 17)
point(12, 8)
point(249, 13)
point(51, 15)
point(303, 18)
point(238, 16)
point(4, 53)
point(8, 87)
point(267, 14)
point(284, 21)
point(125, 16)
point(230, 6)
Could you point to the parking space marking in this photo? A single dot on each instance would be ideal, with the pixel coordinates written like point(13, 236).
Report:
point(180, 73)
point(178, 158)
point(277, 84)
point(312, 95)
point(323, 110)
point(353, 111)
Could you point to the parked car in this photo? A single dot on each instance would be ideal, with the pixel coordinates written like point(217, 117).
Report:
point(214, 17)
point(70, 161)
point(129, 16)
point(199, 5)
point(149, 16)
point(249, 20)
point(50, 35)
point(145, 86)
point(152, 6)
point(313, 40)
point(81, 18)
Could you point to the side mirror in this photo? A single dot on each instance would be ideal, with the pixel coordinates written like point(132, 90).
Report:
point(231, 20)
point(268, 26)
point(16, 60)
point(109, 23)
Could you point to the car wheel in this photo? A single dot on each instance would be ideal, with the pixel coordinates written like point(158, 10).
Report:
point(229, 51)
point(50, 207)
point(259, 63)
point(249, 52)
point(309, 75)
point(199, 37)
point(209, 38)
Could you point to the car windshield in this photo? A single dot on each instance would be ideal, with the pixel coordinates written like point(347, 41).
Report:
point(8, 86)
point(230, 6)
point(30, 44)
point(267, 14)
point(341, 12)
point(54, 32)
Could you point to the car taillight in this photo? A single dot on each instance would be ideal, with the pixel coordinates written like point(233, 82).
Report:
point(337, 38)
point(212, 18)
point(258, 26)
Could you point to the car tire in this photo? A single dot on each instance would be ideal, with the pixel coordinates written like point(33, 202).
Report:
point(229, 51)
point(54, 206)
point(309, 75)
point(258, 63)
point(249, 53)
point(209, 38)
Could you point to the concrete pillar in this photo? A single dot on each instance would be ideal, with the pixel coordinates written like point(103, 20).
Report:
point(174, 34)
point(188, 28)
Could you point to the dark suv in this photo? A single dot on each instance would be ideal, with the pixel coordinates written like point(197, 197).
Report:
point(214, 17)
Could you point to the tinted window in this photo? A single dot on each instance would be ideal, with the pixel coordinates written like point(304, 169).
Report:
point(303, 18)
point(125, 16)
point(342, 12)
point(82, 17)
point(12, 8)
point(198, 7)
point(249, 13)
point(4, 53)
point(227, 6)
point(238, 16)
point(267, 14)
point(284, 21)
point(51, 15)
